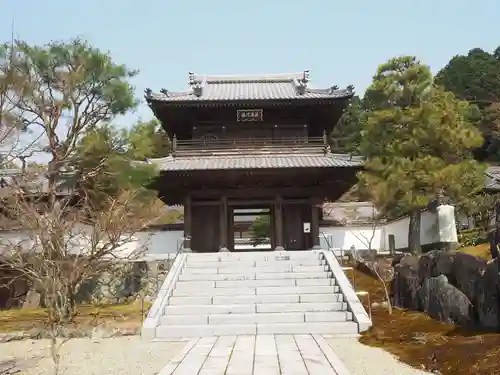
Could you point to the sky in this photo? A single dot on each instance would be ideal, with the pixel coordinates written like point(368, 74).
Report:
point(340, 42)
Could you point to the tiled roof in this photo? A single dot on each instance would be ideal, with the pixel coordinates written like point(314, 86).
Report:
point(256, 162)
point(34, 181)
point(225, 88)
point(493, 178)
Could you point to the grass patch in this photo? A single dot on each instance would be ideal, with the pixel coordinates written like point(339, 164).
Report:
point(120, 314)
point(420, 341)
point(480, 251)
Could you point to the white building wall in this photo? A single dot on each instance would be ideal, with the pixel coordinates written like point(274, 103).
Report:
point(359, 237)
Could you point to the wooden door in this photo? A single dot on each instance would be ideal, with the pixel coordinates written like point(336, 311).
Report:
point(205, 229)
point(293, 227)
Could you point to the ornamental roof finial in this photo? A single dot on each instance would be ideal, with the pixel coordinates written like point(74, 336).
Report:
point(305, 77)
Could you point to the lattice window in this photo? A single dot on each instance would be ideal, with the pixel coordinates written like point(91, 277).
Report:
point(207, 138)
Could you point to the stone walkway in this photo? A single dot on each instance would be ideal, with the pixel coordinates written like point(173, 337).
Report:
point(257, 355)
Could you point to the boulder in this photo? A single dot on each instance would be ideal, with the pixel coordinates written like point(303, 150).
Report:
point(442, 301)
point(487, 303)
point(405, 284)
point(450, 286)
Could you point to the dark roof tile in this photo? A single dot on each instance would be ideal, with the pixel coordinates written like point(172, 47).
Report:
point(256, 162)
point(283, 86)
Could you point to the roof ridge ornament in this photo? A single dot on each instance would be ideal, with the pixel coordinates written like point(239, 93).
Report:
point(196, 84)
point(333, 89)
point(301, 83)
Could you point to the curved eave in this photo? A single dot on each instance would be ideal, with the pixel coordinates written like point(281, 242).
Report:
point(158, 103)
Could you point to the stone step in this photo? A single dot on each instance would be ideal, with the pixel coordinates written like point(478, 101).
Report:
point(216, 319)
point(335, 297)
point(187, 285)
point(256, 318)
point(183, 285)
point(252, 275)
point(301, 307)
point(214, 292)
point(258, 299)
point(330, 316)
point(210, 309)
point(209, 330)
point(258, 270)
point(254, 263)
point(255, 255)
point(333, 304)
point(297, 289)
point(211, 291)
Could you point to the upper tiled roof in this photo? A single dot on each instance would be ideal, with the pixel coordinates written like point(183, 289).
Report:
point(271, 87)
point(33, 181)
point(256, 162)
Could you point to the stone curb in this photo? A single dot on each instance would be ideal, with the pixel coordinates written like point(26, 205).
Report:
point(95, 333)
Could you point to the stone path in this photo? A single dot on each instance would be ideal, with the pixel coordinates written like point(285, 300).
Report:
point(256, 355)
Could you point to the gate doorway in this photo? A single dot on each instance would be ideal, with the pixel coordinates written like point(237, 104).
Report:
point(252, 229)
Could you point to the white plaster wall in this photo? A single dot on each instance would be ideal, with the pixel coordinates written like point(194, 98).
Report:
point(151, 242)
point(345, 237)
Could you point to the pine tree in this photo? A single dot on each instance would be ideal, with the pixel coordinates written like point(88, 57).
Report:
point(417, 140)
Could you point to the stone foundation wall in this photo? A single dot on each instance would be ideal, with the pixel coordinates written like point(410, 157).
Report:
point(128, 281)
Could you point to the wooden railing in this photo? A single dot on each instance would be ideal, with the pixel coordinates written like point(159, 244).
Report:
point(248, 145)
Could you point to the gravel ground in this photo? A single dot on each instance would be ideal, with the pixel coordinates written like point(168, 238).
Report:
point(365, 360)
point(118, 355)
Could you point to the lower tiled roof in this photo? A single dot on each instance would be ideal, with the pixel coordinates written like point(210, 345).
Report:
point(256, 162)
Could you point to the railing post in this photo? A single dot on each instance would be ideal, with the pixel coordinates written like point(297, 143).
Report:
point(174, 144)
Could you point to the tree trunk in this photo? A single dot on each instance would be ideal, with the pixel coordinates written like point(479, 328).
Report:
point(414, 232)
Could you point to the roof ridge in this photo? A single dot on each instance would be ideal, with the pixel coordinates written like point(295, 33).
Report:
point(248, 77)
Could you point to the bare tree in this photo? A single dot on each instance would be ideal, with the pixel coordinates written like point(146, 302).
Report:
point(375, 265)
point(69, 245)
point(61, 91)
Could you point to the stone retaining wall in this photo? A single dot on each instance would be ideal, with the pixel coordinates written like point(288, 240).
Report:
point(129, 281)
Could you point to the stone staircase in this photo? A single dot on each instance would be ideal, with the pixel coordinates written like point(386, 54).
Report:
point(272, 292)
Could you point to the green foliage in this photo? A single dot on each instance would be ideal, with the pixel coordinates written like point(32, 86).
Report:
point(475, 77)
point(472, 237)
point(69, 90)
point(105, 149)
point(260, 229)
point(346, 136)
point(148, 140)
point(417, 140)
point(72, 75)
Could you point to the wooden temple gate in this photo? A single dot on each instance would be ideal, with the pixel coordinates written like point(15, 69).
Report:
point(252, 142)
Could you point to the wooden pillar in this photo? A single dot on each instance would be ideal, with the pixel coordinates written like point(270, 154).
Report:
point(272, 226)
point(278, 216)
point(187, 224)
point(315, 225)
point(223, 225)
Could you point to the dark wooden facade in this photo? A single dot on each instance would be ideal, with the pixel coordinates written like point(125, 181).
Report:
point(251, 152)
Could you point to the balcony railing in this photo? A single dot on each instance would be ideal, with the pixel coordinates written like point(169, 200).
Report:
point(248, 145)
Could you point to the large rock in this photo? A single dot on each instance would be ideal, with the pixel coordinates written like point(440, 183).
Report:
point(487, 303)
point(442, 301)
point(405, 285)
point(450, 286)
